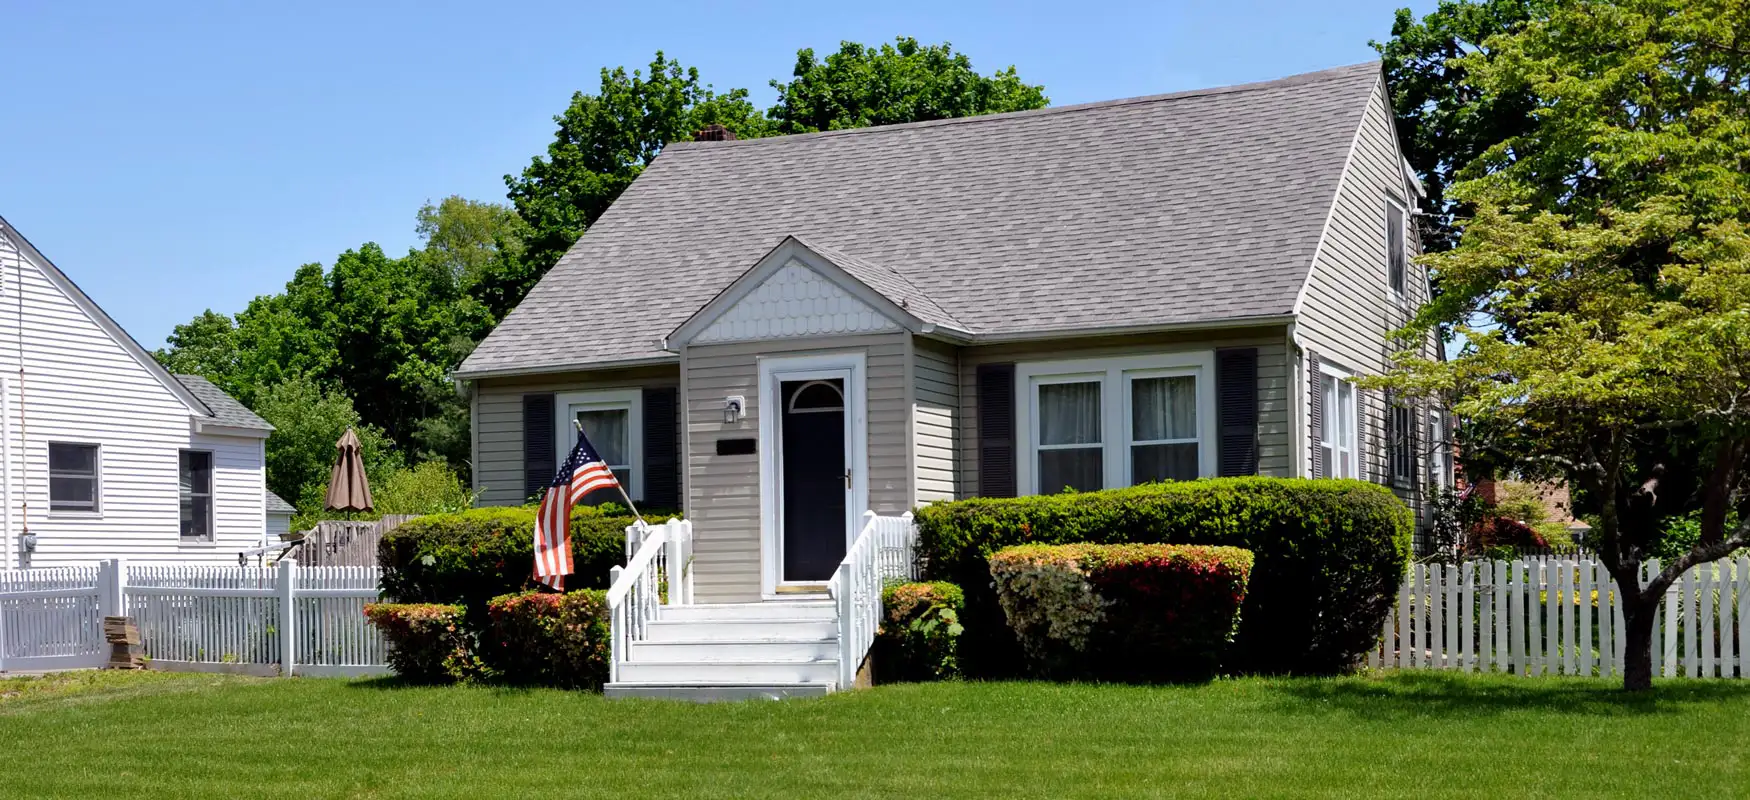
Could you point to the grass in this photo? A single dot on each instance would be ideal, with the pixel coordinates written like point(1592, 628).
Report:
point(1423, 735)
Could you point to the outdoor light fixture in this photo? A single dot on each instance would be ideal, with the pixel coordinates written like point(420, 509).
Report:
point(732, 408)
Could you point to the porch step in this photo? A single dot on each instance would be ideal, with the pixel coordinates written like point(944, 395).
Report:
point(821, 671)
point(775, 610)
point(715, 692)
point(736, 650)
point(741, 630)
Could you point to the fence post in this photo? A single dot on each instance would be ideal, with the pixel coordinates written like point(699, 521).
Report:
point(286, 587)
point(112, 583)
point(677, 592)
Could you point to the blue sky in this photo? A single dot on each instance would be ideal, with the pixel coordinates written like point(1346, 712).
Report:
point(174, 157)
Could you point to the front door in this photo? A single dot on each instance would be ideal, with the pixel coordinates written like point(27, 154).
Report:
point(815, 478)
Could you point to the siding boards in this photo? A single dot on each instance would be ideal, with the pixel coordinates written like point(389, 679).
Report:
point(81, 385)
point(1348, 309)
point(935, 377)
point(498, 410)
point(1274, 433)
point(723, 492)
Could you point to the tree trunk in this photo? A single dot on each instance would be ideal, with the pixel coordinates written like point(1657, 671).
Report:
point(1638, 615)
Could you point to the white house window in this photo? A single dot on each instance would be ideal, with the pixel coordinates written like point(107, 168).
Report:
point(73, 477)
point(613, 421)
point(195, 488)
point(1397, 253)
point(1440, 451)
point(1109, 423)
point(1070, 452)
point(1338, 435)
point(1163, 428)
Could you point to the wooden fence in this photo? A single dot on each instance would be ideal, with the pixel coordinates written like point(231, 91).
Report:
point(1563, 615)
point(346, 543)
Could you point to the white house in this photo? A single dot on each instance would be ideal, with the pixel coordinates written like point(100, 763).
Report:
point(103, 453)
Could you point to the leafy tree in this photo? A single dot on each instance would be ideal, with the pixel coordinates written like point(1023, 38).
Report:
point(605, 140)
point(307, 421)
point(860, 86)
point(205, 345)
point(1445, 119)
point(1603, 283)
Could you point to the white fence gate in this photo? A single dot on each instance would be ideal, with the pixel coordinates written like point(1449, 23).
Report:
point(210, 618)
point(1555, 615)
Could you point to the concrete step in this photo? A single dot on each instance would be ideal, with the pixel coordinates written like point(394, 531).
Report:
point(719, 673)
point(736, 650)
point(777, 609)
point(715, 693)
point(741, 630)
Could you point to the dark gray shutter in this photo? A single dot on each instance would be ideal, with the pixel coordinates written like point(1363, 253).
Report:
point(1315, 412)
point(1413, 422)
point(662, 473)
point(539, 461)
point(1236, 410)
point(1392, 424)
point(996, 430)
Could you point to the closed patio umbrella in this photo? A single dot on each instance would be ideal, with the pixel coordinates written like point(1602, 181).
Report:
point(347, 488)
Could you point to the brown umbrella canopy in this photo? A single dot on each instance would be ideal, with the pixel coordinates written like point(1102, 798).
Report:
point(347, 488)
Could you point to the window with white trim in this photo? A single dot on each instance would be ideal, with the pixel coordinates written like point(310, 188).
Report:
point(1104, 424)
point(195, 491)
point(1440, 451)
point(1396, 248)
point(1339, 435)
point(613, 421)
point(74, 483)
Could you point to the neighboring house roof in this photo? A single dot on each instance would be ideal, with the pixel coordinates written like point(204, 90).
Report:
point(277, 505)
point(1183, 209)
point(100, 317)
point(225, 409)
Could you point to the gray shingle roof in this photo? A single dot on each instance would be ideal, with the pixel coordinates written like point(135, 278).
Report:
point(225, 409)
point(1184, 208)
point(278, 505)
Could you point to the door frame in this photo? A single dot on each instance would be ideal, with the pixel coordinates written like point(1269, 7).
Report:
point(773, 372)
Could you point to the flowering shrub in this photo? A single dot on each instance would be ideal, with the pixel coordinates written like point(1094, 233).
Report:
point(544, 639)
point(919, 637)
point(427, 641)
point(1330, 554)
point(1123, 612)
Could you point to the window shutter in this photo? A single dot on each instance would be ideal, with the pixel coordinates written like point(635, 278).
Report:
point(1236, 411)
point(1413, 428)
point(539, 461)
point(662, 474)
point(1391, 422)
point(1363, 427)
point(996, 430)
point(1315, 412)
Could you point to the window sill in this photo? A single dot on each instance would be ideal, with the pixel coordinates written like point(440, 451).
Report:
point(208, 545)
point(79, 515)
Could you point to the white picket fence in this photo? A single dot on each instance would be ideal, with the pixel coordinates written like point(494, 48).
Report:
point(1556, 615)
point(209, 618)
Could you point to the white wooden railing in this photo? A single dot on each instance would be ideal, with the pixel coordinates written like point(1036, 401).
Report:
point(659, 572)
point(881, 551)
point(1555, 615)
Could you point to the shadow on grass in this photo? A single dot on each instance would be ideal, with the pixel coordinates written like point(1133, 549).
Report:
point(1424, 694)
point(395, 683)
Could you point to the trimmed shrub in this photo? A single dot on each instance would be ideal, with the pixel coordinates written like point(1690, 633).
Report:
point(545, 639)
point(1329, 557)
point(1143, 612)
point(919, 637)
point(473, 556)
point(427, 641)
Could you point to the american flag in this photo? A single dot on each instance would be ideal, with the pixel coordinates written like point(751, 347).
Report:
point(583, 472)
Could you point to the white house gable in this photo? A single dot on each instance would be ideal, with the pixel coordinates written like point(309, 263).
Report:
point(795, 301)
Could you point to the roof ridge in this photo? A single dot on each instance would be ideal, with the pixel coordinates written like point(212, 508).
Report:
point(1317, 76)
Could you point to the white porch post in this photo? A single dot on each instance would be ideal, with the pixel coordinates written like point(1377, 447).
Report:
point(286, 588)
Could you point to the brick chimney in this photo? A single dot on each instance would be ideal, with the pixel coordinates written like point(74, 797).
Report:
point(714, 133)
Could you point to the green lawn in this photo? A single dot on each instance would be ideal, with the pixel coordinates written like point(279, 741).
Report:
point(90, 735)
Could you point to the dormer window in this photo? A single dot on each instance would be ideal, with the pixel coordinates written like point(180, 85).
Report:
point(1396, 253)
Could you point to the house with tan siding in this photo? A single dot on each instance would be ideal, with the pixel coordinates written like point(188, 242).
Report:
point(103, 453)
point(777, 335)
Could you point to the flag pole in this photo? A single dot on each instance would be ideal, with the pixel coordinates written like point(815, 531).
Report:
point(617, 485)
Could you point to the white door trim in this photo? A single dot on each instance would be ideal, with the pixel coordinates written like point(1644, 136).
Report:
point(773, 371)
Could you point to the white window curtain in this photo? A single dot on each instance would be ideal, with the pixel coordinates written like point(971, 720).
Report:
point(1338, 444)
point(1070, 448)
point(1163, 429)
point(610, 431)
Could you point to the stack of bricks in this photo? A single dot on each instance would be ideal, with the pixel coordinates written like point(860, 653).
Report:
point(124, 642)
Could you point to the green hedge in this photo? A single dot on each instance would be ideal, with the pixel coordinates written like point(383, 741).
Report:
point(1131, 612)
point(544, 639)
point(1329, 556)
point(428, 642)
point(470, 557)
point(919, 637)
